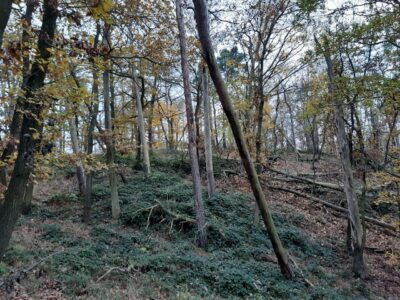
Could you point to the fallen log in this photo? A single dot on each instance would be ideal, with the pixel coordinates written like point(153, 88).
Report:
point(327, 185)
point(330, 205)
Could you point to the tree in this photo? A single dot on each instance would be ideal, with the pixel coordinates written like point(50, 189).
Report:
point(343, 149)
point(16, 122)
point(201, 16)
point(5, 11)
point(143, 140)
point(199, 206)
point(112, 176)
point(207, 134)
point(30, 136)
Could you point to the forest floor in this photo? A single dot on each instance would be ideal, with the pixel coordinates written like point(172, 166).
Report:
point(150, 252)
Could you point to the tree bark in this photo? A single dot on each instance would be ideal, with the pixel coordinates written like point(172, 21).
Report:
point(5, 11)
point(143, 140)
point(80, 172)
point(27, 205)
point(207, 135)
point(93, 112)
point(16, 121)
point(151, 113)
point(31, 125)
point(199, 206)
point(201, 16)
point(348, 181)
point(110, 153)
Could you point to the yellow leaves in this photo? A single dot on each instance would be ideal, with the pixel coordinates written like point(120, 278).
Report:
point(36, 135)
point(91, 40)
point(100, 9)
point(243, 105)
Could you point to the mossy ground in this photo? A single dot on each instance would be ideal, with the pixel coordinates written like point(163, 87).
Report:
point(150, 252)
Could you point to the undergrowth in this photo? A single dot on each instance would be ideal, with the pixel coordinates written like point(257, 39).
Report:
point(154, 242)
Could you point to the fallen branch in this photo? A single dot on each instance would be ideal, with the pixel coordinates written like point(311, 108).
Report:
point(159, 207)
point(18, 275)
point(327, 185)
point(330, 205)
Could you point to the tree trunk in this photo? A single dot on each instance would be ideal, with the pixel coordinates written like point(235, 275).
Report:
point(80, 172)
point(215, 125)
point(27, 205)
point(151, 114)
point(199, 206)
point(201, 16)
point(110, 153)
point(348, 181)
point(392, 127)
point(16, 121)
point(143, 140)
point(197, 111)
point(5, 11)
point(93, 112)
point(292, 131)
point(260, 115)
point(207, 134)
point(31, 125)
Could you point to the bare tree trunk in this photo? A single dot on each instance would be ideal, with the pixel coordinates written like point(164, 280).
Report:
point(197, 112)
point(93, 112)
point(260, 115)
point(201, 16)
point(151, 114)
point(348, 181)
point(143, 140)
point(215, 125)
point(207, 135)
point(27, 205)
point(115, 208)
point(199, 206)
point(392, 127)
point(31, 125)
point(80, 172)
point(292, 131)
point(90, 145)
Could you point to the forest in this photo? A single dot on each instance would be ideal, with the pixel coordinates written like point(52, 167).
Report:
point(199, 149)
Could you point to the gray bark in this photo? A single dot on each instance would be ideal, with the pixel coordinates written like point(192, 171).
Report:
point(199, 206)
point(207, 135)
point(110, 153)
point(143, 140)
point(348, 181)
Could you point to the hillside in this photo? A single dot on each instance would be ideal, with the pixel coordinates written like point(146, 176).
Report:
point(150, 252)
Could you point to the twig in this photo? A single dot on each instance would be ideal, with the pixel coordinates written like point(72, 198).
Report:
point(308, 282)
point(109, 271)
point(16, 276)
point(328, 204)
